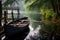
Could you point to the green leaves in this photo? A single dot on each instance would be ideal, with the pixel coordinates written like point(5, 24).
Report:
point(46, 10)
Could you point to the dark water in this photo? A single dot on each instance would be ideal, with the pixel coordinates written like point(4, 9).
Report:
point(37, 35)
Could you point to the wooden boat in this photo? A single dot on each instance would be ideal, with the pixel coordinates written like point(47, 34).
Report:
point(17, 30)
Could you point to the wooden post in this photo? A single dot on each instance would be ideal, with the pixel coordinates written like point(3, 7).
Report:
point(18, 14)
point(5, 17)
point(12, 16)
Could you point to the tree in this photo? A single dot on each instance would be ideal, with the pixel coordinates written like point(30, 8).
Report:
point(50, 11)
point(0, 12)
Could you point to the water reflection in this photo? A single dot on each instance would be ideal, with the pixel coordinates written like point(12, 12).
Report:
point(33, 34)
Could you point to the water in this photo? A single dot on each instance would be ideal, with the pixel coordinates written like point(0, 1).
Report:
point(33, 34)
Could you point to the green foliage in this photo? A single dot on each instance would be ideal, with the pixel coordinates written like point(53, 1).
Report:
point(46, 10)
point(32, 6)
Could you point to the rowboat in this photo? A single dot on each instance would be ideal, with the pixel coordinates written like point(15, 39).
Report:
point(17, 30)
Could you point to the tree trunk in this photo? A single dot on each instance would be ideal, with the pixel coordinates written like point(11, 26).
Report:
point(0, 13)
